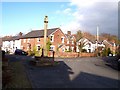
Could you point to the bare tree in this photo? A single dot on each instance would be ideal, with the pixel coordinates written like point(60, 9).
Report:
point(80, 47)
point(78, 35)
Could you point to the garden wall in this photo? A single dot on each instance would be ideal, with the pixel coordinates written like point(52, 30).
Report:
point(71, 54)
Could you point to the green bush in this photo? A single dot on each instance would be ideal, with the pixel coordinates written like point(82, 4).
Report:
point(106, 52)
point(109, 51)
point(35, 52)
point(31, 53)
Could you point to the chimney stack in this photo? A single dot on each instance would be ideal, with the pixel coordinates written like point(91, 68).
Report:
point(20, 33)
point(69, 32)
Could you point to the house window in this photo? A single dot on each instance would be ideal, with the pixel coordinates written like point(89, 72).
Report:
point(67, 41)
point(72, 42)
point(28, 40)
point(72, 48)
point(52, 38)
point(89, 45)
point(52, 48)
point(38, 39)
point(63, 50)
point(89, 50)
point(72, 38)
point(62, 39)
point(28, 46)
point(24, 40)
point(38, 48)
point(67, 48)
point(21, 47)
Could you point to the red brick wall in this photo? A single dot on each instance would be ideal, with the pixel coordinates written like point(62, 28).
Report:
point(72, 45)
point(57, 38)
point(33, 41)
point(71, 54)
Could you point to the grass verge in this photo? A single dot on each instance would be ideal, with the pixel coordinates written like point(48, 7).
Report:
point(19, 76)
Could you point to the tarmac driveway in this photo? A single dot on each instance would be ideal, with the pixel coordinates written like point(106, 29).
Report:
point(73, 73)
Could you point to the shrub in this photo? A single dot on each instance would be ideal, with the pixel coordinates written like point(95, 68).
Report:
point(106, 52)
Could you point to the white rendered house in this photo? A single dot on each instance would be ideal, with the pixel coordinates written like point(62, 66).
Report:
point(11, 44)
point(89, 46)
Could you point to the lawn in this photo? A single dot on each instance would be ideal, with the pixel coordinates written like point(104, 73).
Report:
point(19, 76)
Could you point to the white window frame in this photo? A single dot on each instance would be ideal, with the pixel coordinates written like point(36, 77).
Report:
point(72, 42)
point(27, 48)
point(68, 42)
point(72, 48)
point(52, 47)
point(37, 46)
point(52, 38)
point(24, 40)
point(72, 38)
point(63, 49)
point(28, 40)
point(63, 39)
point(67, 47)
point(38, 39)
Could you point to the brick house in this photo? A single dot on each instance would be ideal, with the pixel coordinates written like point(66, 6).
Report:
point(71, 42)
point(35, 38)
point(110, 45)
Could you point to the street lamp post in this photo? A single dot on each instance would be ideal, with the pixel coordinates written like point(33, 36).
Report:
point(45, 34)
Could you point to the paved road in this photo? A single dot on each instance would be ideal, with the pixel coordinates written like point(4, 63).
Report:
point(72, 73)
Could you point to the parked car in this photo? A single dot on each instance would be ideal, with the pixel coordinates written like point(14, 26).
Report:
point(20, 52)
point(118, 56)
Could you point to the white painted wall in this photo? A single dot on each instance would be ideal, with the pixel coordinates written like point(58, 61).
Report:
point(11, 45)
point(87, 47)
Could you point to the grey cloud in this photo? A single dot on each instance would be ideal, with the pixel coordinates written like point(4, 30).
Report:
point(103, 14)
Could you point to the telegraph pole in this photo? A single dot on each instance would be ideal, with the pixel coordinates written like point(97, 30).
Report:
point(45, 35)
point(97, 33)
point(97, 37)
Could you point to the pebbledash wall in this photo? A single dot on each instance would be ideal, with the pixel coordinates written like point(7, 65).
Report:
point(71, 54)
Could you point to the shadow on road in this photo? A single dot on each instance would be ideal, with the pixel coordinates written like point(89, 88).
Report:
point(112, 62)
point(87, 80)
point(59, 77)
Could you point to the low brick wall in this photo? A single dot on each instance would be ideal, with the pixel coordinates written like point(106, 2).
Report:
point(88, 54)
point(71, 54)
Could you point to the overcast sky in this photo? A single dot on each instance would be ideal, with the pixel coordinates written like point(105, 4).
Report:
point(89, 15)
point(72, 15)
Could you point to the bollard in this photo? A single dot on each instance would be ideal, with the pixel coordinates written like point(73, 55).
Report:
point(53, 55)
point(3, 54)
point(42, 53)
